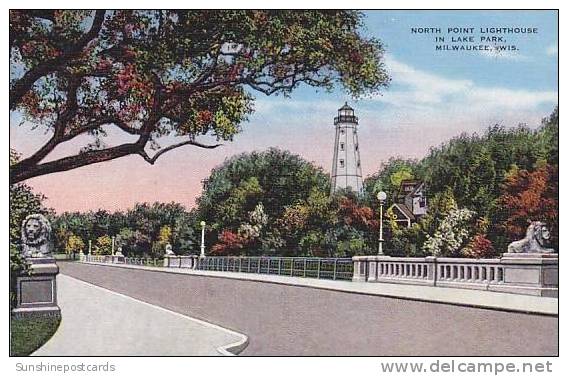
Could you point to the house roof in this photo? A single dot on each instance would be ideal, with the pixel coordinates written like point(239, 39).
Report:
point(415, 184)
point(405, 211)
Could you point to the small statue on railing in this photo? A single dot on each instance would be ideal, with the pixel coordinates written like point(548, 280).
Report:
point(169, 250)
point(535, 241)
point(36, 236)
point(119, 252)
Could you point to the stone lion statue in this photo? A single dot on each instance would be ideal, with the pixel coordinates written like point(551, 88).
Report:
point(119, 252)
point(535, 240)
point(169, 250)
point(36, 236)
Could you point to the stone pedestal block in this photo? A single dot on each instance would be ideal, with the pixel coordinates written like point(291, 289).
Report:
point(529, 273)
point(117, 259)
point(36, 289)
point(167, 263)
point(188, 262)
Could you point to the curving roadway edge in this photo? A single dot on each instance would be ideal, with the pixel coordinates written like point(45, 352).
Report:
point(282, 318)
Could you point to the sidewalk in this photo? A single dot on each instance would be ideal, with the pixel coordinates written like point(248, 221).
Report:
point(97, 321)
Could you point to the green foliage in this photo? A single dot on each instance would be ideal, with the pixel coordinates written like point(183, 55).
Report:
point(143, 230)
point(103, 245)
point(298, 216)
point(474, 167)
point(74, 244)
point(164, 238)
point(277, 179)
point(133, 242)
point(389, 177)
point(17, 266)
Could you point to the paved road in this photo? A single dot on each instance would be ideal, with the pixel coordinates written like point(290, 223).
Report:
point(97, 321)
point(281, 319)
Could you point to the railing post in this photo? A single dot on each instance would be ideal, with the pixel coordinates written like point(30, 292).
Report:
point(334, 269)
point(319, 267)
point(292, 262)
point(359, 268)
point(432, 269)
point(372, 267)
point(305, 265)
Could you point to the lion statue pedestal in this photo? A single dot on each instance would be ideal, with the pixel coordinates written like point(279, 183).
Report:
point(36, 288)
point(529, 266)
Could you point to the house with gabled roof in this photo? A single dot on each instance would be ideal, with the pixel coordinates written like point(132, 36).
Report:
point(409, 203)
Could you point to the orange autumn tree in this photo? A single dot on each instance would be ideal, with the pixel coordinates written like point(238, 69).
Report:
point(356, 215)
point(229, 243)
point(529, 196)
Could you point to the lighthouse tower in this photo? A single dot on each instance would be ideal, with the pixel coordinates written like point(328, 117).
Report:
point(346, 168)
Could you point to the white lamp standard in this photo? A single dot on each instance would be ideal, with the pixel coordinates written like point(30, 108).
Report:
point(381, 196)
point(202, 239)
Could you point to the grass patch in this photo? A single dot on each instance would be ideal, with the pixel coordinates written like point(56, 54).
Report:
point(30, 333)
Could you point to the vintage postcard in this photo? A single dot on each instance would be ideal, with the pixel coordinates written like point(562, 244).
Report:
point(284, 183)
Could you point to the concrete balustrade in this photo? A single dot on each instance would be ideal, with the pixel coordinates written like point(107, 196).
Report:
point(529, 273)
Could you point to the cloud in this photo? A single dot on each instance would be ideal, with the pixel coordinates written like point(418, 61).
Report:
point(552, 50)
point(420, 97)
point(496, 54)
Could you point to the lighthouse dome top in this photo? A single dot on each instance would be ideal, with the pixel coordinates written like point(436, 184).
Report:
point(346, 114)
point(346, 107)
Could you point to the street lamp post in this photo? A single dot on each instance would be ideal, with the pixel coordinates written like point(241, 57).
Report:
point(381, 196)
point(202, 239)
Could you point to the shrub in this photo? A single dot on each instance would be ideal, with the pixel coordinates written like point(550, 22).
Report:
point(451, 234)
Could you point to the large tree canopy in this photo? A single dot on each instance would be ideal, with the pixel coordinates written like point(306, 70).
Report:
point(178, 73)
point(274, 177)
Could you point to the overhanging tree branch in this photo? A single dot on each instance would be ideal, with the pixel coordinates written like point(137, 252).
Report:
point(161, 152)
point(19, 173)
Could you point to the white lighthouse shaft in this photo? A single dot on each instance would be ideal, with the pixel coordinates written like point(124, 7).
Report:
point(346, 168)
